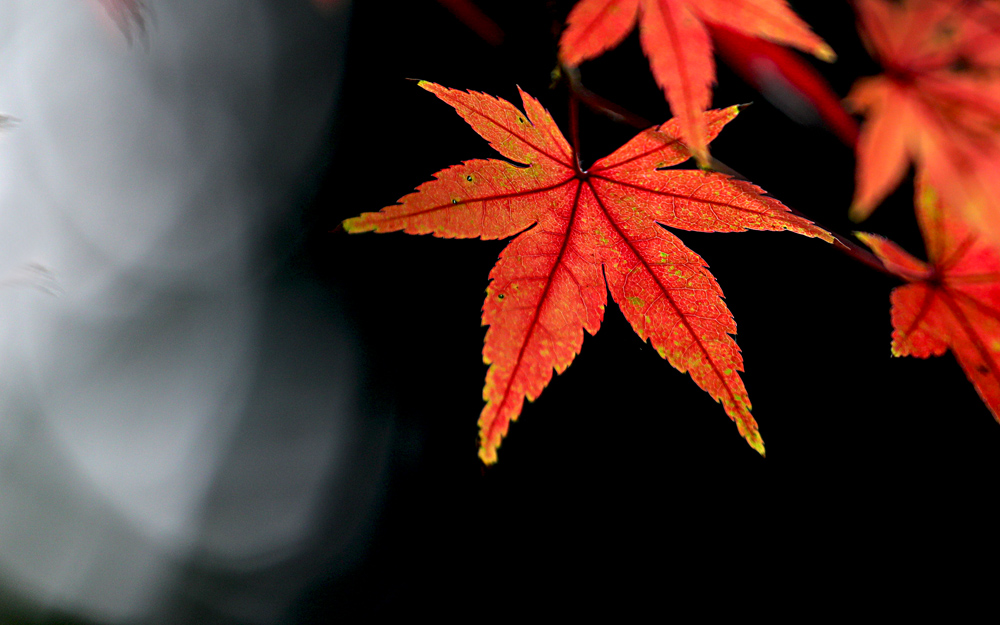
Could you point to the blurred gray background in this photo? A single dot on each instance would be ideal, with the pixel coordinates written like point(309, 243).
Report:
point(179, 431)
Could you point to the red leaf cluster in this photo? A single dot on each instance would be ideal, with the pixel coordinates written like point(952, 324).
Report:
point(952, 301)
point(581, 233)
point(675, 36)
point(937, 105)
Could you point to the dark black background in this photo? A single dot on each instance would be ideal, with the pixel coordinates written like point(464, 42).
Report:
point(624, 484)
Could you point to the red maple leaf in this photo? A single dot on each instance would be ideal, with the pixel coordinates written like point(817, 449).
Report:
point(937, 105)
point(674, 36)
point(952, 301)
point(579, 234)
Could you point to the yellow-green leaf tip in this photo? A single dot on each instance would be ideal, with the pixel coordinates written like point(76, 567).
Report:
point(488, 454)
point(864, 237)
point(355, 225)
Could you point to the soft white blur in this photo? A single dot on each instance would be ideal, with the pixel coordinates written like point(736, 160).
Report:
point(177, 419)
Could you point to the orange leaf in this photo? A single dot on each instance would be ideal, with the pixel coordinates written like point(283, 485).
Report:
point(952, 301)
point(583, 232)
point(674, 36)
point(937, 105)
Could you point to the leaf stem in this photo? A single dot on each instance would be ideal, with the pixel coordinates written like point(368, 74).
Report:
point(574, 128)
point(599, 105)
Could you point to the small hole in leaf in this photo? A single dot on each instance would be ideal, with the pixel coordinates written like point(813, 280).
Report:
point(500, 296)
point(469, 178)
point(520, 120)
point(454, 201)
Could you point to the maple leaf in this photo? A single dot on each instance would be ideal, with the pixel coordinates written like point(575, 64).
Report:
point(674, 36)
point(548, 285)
point(952, 301)
point(937, 105)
